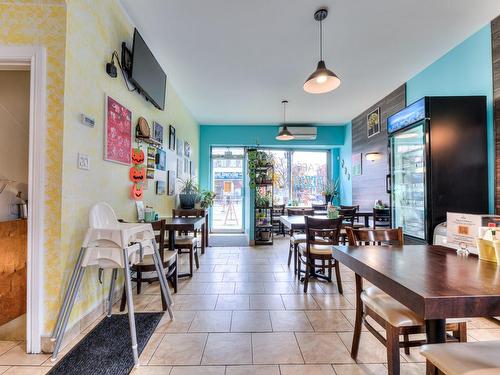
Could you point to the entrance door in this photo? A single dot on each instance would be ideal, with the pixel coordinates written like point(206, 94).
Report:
point(227, 183)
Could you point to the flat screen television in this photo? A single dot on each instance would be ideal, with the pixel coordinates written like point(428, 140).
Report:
point(146, 73)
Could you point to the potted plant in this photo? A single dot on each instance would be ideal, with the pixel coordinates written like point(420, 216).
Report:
point(262, 201)
point(331, 191)
point(188, 194)
point(206, 198)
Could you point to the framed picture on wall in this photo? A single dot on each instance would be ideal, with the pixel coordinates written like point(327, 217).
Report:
point(158, 132)
point(161, 160)
point(357, 164)
point(373, 122)
point(186, 166)
point(171, 138)
point(180, 147)
point(187, 149)
point(117, 132)
point(171, 182)
point(180, 167)
point(160, 187)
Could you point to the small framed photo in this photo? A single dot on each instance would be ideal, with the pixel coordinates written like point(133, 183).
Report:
point(151, 163)
point(171, 138)
point(373, 122)
point(160, 187)
point(179, 168)
point(161, 160)
point(171, 182)
point(158, 132)
point(186, 166)
point(180, 147)
point(187, 149)
point(151, 152)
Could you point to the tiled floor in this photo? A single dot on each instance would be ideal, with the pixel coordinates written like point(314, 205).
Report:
point(243, 313)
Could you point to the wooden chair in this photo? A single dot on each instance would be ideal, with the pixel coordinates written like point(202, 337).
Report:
point(321, 235)
point(186, 242)
point(396, 318)
point(355, 207)
point(479, 358)
point(296, 238)
point(319, 207)
point(381, 218)
point(278, 227)
point(146, 271)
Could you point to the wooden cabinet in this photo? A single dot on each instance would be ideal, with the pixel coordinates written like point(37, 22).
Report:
point(13, 255)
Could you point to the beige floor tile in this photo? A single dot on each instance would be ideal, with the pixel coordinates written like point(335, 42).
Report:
point(180, 349)
point(275, 348)
point(328, 321)
point(266, 302)
point(228, 349)
point(260, 276)
point(193, 288)
point(307, 370)
point(220, 288)
point(226, 268)
point(332, 302)
point(249, 288)
point(253, 370)
point(211, 321)
point(483, 334)
point(323, 348)
point(251, 321)
point(290, 321)
point(299, 302)
point(17, 357)
point(7, 345)
point(150, 348)
point(370, 349)
point(235, 276)
point(285, 276)
point(414, 356)
point(210, 277)
point(27, 370)
point(198, 370)
point(180, 324)
point(233, 302)
point(478, 323)
point(280, 287)
point(5, 368)
point(151, 370)
point(362, 369)
point(190, 302)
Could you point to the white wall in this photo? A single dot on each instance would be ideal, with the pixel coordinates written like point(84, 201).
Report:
point(14, 138)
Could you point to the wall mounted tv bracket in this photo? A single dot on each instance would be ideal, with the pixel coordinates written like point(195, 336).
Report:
point(126, 59)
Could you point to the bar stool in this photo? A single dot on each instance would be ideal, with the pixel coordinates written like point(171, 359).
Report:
point(109, 244)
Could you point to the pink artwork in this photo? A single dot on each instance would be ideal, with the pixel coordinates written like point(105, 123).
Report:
point(118, 132)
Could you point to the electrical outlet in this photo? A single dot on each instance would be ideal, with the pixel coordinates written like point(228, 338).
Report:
point(83, 162)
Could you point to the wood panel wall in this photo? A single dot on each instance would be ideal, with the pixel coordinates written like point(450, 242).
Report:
point(495, 45)
point(370, 185)
point(13, 255)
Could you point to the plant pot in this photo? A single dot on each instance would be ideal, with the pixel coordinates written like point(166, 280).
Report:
point(187, 201)
point(328, 198)
point(265, 236)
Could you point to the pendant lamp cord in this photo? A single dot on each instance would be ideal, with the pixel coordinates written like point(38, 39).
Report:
point(284, 113)
point(321, 40)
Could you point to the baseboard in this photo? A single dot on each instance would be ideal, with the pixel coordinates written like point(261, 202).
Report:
point(81, 325)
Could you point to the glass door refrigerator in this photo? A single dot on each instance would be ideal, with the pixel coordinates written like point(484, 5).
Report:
point(437, 163)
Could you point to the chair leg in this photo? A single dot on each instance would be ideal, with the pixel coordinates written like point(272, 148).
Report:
point(196, 259)
point(290, 254)
point(406, 340)
point(330, 270)
point(295, 258)
point(430, 369)
point(462, 332)
point(359, 319)
point(307, 274)
point(191, 256)
point(139, 282)
point(392, 346)
point(124, 300)
point(339, 280)
point(175, 277)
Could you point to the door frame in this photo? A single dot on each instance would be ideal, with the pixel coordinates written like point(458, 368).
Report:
point(34, 59)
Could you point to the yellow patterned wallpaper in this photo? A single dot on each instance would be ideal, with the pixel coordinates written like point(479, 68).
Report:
point(90, 30)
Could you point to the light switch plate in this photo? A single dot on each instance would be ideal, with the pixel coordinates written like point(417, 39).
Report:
point(83, 162)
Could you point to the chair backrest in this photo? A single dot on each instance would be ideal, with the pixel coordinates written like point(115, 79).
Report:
point(103, 216)
point(348, 214)
point(159, 230)
point(356, 207)
point(319, 207)
point(300, 212)
point(182, 212)
point(278, 209)
point(322, 231)
point(375, 237)
point(381, 217)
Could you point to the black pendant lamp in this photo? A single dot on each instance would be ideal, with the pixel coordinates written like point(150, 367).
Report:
point(284, 134)
point(322, 80)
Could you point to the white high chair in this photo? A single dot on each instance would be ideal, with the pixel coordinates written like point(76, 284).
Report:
point(111, 244)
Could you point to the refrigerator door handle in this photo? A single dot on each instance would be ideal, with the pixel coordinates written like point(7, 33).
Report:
point(388, 183)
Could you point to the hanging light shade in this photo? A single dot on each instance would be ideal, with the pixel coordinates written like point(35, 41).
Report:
point(284, 134)
point(322, 80)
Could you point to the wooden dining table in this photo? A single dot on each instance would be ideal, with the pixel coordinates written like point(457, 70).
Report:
point(298, 223)
point(433, 281)
point(185, 224)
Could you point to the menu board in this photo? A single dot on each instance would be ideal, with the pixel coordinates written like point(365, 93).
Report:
point(463, 229)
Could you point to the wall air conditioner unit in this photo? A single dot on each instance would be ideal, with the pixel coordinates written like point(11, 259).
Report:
point(307, 133)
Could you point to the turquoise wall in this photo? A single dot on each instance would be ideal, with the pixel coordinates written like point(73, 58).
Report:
point(345, 153)
point(465, 70)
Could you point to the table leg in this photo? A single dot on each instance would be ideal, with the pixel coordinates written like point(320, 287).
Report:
point(171, 240)
point(206, 232)
point(367, 221)
point(435, 329)
point(203, 238)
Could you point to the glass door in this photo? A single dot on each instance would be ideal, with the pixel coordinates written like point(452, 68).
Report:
point(408, 181)
point(227, 183)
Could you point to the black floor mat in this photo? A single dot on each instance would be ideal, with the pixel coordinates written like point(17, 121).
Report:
point(107, 349)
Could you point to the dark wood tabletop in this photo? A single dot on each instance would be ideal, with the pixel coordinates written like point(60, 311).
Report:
point(298, 222)
point(433, 281)
point(183, 223)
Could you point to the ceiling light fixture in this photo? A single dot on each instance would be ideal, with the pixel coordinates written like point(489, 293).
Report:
point(372, 156)
point(322, 80)
point(284, 134)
